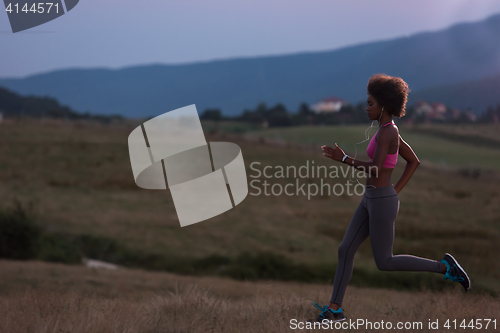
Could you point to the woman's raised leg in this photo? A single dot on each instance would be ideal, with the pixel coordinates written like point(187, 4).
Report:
point(383, 211)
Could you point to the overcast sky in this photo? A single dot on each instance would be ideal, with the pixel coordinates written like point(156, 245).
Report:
point(118, 33)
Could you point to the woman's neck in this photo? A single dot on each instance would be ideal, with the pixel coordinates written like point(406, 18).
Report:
point(384, 120)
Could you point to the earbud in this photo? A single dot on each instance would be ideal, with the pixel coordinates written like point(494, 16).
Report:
point(380, 115)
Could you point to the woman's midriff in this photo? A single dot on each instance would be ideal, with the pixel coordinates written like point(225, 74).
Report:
point(383, 179)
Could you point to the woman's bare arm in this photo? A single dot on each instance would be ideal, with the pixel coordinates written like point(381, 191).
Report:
point(337, 153)
point(384, 139)
point(412, 163)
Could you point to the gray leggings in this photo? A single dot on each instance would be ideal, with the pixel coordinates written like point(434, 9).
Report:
point(375, 217)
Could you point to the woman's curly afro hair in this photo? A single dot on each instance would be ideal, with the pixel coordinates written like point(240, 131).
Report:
point(390, 92)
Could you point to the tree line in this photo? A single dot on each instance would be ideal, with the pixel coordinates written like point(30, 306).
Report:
point(14, 105)
point(279, 116)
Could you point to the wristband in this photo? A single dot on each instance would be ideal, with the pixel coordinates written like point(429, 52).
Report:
point(344, 158)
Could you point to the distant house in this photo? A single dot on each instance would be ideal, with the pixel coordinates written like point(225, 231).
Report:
point(455, 113)
point(470, 116)
point(438, 111)
point(332, 104)
point(439, 107)
point(431, 111)
point(423, 107)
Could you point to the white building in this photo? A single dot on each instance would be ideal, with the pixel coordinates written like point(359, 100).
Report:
point(423, 107)
point(332, 104)
point(434, 111)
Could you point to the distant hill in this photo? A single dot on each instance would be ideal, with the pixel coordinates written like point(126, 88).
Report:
point(475, 94)
point(14, 105)
point(460, 53)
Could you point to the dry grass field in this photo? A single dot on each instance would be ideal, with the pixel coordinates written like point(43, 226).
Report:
point(46, 297)
point(77, 177)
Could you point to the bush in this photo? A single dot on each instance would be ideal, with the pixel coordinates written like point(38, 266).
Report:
point(18, 234)
point(100, 248)
point(22, 239)
point(58, 248)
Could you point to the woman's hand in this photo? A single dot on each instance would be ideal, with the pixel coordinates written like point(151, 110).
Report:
point(335, 154)
point(397, 190)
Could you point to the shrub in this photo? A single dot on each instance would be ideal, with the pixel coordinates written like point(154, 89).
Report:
point(18, 233)
point(100, 248)
point(58, 248)
point(23, 239)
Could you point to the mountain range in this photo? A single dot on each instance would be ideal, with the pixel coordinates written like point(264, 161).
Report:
point(449, 65)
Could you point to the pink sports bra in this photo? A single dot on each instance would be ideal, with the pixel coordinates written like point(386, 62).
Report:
point(390, 160)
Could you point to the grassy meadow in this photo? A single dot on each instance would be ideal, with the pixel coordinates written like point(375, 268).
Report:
point(50, 297)
point(443, 145)
point(77, 178)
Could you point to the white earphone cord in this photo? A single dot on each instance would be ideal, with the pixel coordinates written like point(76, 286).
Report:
point(367, 137)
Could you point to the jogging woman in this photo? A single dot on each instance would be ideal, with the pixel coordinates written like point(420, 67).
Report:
point(375, 215)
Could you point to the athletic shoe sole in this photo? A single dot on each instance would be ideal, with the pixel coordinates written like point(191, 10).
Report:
point(461, 269)
point(329, 320)
point(334, 321)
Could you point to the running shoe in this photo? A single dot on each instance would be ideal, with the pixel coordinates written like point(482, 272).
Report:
point(455, 272)
point(328, 314)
